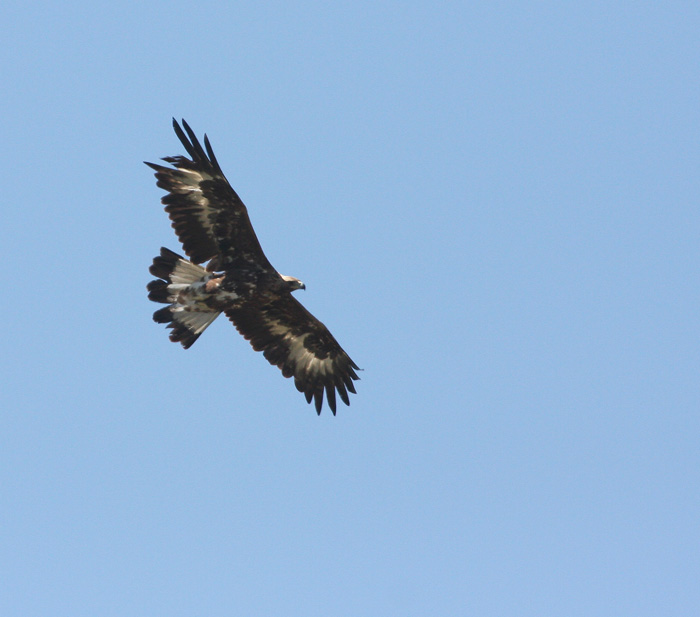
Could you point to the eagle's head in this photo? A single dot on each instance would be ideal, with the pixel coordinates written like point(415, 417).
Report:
point(292, 283)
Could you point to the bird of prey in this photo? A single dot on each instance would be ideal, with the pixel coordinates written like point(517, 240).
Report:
point(213, 226)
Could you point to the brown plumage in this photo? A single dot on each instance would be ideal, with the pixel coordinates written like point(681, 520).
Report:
point(212, 224)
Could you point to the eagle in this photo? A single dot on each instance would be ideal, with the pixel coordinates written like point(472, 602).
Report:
point(227, 272)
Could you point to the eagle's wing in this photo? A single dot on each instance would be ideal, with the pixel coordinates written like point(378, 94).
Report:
point(208, 216)
point(300, 345)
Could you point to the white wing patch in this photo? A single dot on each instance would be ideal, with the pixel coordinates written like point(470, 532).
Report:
point(190, 181)
point(304, 361)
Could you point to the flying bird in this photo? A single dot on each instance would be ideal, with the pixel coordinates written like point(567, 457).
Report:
point(213, 226)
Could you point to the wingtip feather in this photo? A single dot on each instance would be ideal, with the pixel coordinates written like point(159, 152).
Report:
point(318, 400)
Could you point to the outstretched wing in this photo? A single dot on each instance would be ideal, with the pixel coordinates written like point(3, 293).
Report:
point(208, 216)
point(300, 345)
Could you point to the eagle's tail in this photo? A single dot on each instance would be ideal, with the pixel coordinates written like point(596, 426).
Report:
point(179, 285)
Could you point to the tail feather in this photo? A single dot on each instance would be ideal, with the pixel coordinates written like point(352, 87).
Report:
point(174, 268)
point(164, 315)
point(164, 263)
point(186, 326)
point(179, 285)
point(158, 291)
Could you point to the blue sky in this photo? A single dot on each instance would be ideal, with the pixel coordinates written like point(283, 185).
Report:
point(494, 207)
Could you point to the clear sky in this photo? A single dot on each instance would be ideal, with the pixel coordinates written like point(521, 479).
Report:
point(494, 207)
